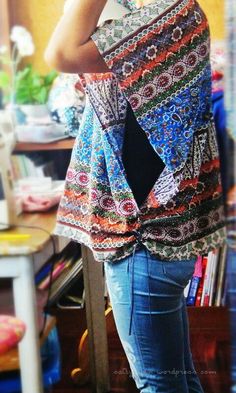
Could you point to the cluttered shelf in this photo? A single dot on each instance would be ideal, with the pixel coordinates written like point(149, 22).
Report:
point(65, 144)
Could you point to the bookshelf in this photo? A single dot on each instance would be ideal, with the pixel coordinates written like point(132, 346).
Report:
point(65, 144)
point(58, 152)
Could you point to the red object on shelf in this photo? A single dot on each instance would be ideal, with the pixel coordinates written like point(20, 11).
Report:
point(12, 330)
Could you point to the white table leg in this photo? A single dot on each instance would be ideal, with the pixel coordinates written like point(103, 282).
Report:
point(25, 308)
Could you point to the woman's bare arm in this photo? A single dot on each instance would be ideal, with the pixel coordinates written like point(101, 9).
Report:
point(70, 48)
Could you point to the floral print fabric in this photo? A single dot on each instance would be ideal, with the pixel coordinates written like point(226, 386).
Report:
point(159, 62)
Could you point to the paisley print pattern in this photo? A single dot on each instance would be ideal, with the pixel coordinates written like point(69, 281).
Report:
point(159, 62)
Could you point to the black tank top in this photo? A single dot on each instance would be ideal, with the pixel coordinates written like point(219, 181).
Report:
point(142, 164)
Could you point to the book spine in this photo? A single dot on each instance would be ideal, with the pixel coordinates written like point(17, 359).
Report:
point(204, 298)
point(200, 287)
point(56, 272)
point(16, 167)
point(43, 273)
point(191, 298)
point(213, 277)
point(221, 275)
point(207, 280)
point(198, 267)
point(24, 165)
point(21, 166)
point(29, 167)
point(186, 289)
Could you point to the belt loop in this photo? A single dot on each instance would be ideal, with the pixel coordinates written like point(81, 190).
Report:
point(132, 288)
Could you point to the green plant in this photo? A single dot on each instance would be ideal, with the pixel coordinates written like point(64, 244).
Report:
point(31, 87)
point(25, 85)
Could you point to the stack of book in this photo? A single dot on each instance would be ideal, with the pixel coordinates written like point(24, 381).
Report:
point(206, 288)
point(33, 166)
point(60, 274)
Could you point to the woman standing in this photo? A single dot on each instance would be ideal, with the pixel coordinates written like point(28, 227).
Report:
point(143, 186)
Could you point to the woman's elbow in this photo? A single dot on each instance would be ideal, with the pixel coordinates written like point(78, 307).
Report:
point(62, 61)
point(84, 58)
point(53, 58)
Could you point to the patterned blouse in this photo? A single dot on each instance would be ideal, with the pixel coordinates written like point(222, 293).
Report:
point(159, 62)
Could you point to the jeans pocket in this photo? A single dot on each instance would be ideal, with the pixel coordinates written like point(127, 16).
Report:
point(180, 272)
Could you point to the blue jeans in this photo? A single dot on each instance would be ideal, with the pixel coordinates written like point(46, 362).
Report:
point(149, 309)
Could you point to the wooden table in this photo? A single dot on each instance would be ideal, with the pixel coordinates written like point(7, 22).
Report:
point(17, 262)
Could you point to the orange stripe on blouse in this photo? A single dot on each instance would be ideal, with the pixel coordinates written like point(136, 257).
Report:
point(152, 64)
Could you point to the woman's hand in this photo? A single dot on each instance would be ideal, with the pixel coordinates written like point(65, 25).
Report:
point(70, 48)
